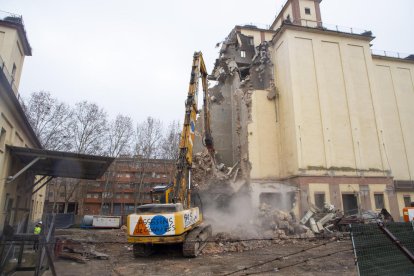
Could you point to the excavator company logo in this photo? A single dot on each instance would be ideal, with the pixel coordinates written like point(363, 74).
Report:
point(159, 225)
point(141, 229)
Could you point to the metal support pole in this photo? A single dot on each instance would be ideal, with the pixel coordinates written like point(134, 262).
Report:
point(12, 178)
point(34, 185)
point(396, 241)
point(47, 181)
point(40, 180)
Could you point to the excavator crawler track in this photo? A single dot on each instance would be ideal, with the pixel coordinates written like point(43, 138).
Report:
point(196, 240)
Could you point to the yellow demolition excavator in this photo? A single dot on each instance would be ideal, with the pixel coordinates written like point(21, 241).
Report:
point(175, 216)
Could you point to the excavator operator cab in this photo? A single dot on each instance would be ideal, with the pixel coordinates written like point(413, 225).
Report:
point(161, 193)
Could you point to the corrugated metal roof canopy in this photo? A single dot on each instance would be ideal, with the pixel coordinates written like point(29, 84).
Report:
point(62, 164)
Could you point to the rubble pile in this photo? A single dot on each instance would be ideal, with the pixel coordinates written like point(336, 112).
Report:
point(270, 225)
point(225, 242)
point(322, 220)
point(82, 245)
point(201, 170)
point(77, 251)
point(328, 220)
point(205, 174)
point(277, 224)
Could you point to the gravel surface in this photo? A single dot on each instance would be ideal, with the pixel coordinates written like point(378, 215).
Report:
point(214, 260)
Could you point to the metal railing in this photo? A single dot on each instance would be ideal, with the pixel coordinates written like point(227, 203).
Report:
point(332, 27)
point(11, 17)
point(392, 54)
point(256, 25)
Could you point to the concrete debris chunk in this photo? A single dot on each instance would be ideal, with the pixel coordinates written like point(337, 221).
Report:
point(77, 251)
point(328, 219)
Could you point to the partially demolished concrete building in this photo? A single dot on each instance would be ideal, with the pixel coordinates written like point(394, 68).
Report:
point(310, 115)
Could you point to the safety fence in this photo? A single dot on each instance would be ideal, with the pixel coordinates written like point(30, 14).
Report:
point(379, 254)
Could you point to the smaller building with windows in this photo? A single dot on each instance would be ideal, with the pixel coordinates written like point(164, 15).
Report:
point(128, 181)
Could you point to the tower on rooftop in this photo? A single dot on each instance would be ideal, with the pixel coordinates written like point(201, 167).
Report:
point(299, 12)
point(14, 46)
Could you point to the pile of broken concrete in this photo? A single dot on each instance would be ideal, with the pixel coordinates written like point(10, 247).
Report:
point(278, 224)
point(202, 170)
point(272, 226)
point(321, 220)
point(206, 176)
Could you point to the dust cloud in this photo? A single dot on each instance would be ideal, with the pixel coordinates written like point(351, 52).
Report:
point(233, 215)
point(236, 216)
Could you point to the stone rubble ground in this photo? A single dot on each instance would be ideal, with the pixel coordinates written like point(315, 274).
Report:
point(220, 256)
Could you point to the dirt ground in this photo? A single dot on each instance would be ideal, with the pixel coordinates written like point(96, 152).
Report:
point(219, 257)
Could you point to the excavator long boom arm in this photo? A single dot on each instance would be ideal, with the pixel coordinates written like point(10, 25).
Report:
point(182, 180)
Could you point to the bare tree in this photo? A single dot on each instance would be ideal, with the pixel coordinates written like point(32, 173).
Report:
point(64, 189)
point(118, 141)
point(170, 141)
point(148, 138)
point(49, 119)
point(119, 138)
point(69, 186)
point(88, 127)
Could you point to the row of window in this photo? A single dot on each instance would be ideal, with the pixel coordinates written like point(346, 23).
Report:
point(117, 195)
point(130, 175)
point(138, 164)
point(109, 186)
point(378, 198)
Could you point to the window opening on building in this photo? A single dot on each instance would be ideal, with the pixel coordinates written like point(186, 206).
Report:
point(251, 40)
point(379, 201)
point(283, 201)
point(407, 201)
point(307, 11)
point(319, 199)
point(6, 201)
point(350, 204)
point(2, 138)
point(243, 54)
point(13, 73)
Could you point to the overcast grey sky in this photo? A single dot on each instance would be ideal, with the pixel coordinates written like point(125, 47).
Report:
point(134, 57)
